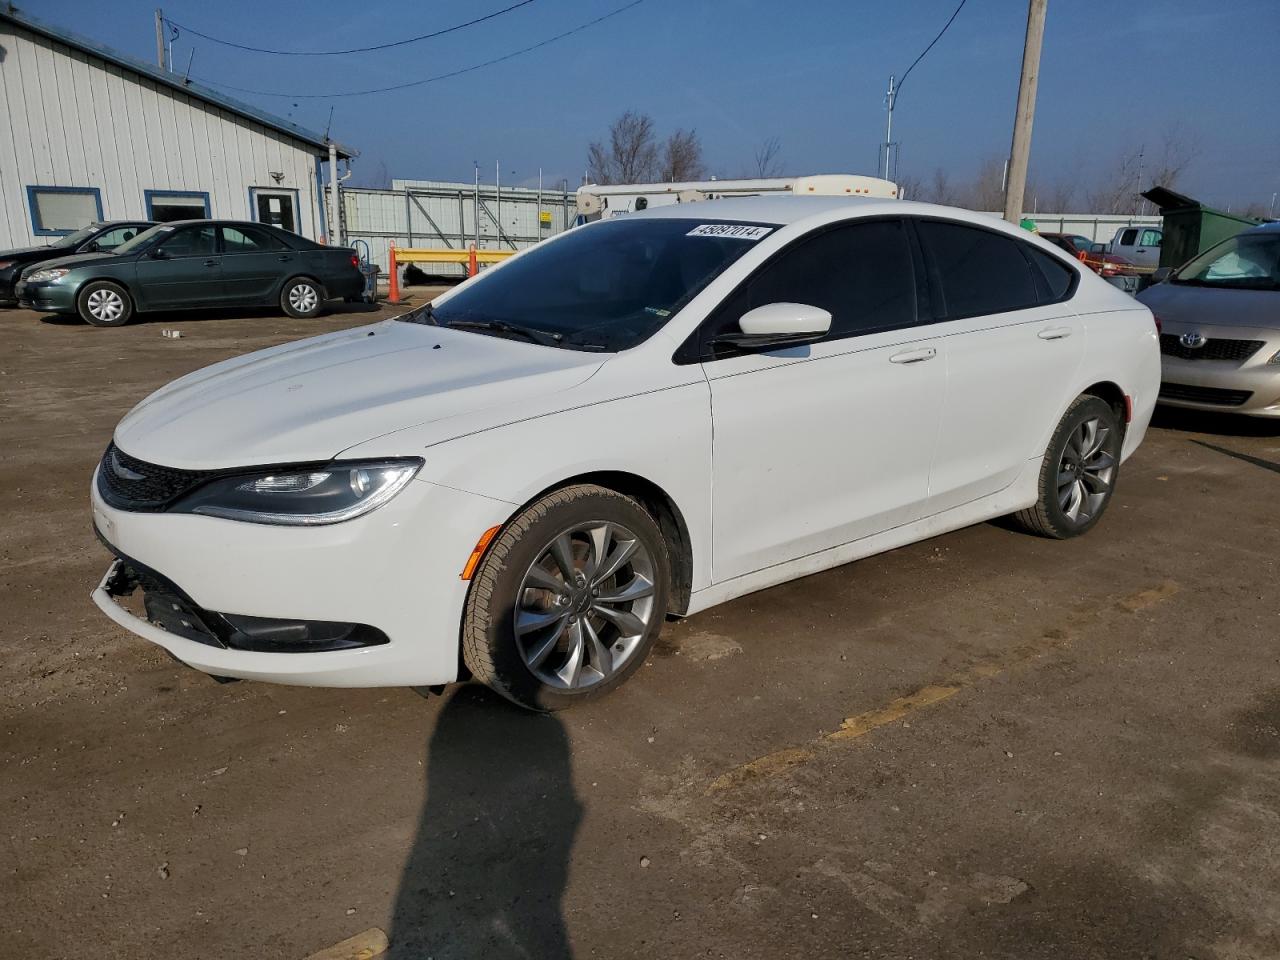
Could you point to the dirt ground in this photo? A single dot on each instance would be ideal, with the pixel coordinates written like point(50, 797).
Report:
point(985, 745)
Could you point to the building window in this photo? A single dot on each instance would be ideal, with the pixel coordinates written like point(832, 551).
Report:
point(165, 206)
point(58, 211)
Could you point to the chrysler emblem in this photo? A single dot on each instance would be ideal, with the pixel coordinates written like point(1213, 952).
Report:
point(123, 472)
point(1193, 340)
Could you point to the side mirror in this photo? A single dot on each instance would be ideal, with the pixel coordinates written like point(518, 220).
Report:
point(90, 247)
point(1162, 274)
point(777, 325)
point(158, 253)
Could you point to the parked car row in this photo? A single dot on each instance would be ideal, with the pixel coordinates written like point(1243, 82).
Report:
point(109, 272)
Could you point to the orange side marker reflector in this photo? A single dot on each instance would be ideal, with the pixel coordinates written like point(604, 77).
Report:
point(482, 544)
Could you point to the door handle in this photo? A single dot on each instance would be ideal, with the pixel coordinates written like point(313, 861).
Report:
point(211, 263)
point(284, 257)
point(1054, 333)
point(914, 356)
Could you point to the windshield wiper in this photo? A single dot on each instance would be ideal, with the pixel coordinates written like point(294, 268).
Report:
point(503, 326)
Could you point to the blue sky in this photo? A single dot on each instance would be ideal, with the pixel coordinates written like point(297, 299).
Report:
point(1114, 77)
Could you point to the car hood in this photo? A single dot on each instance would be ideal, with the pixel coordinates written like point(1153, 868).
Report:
point(75, 260)
point(26, 253)
point(312, 399)
point(1213, 306)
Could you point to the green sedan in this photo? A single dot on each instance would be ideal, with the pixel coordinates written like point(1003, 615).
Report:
point(194, 264)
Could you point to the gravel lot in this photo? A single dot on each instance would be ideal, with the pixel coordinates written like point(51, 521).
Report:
point(982, 745)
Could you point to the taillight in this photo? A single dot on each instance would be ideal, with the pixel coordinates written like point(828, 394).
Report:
point(355, 261)
point(1159, 324)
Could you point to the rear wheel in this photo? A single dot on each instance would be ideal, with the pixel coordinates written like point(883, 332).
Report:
point(569, 599)
point(1079, 471)
point(104, 304)
point(301, 297)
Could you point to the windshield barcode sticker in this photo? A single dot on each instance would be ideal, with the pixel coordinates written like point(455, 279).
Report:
point(734, 231)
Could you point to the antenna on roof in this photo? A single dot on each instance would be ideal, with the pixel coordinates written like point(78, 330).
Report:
point(186, 78)
point(330, 123)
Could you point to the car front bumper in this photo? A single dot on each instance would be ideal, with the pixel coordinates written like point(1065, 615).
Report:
point(50, 297)
point(395, 571)
point(1251, 387)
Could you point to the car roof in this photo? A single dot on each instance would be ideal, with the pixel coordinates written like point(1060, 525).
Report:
point(1272, 227)
point(774, 210)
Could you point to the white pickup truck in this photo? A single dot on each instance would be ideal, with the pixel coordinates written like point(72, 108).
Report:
point(1139, 245)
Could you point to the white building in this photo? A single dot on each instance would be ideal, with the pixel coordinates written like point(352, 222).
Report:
point(87, 133)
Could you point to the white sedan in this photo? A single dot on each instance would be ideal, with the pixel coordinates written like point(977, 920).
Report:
point(640, 418)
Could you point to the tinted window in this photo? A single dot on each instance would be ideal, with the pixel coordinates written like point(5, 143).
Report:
point(248, 240)
point(1127, 238)
point(191, 242)
point(979, 271)
point(1057, 275)
point(861, 273)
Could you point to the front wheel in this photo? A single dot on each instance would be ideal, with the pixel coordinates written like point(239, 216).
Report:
point(104, 304)
point(568, 600)
point(1078, 475)
point(301, 298)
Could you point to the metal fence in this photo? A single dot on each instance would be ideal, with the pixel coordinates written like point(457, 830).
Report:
point(1099, 228)
point(423, 213)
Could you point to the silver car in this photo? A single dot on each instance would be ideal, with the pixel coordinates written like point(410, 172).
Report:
point(1219, 319)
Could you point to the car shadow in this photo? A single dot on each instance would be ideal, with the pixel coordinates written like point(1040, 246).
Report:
point(1207, 421)
point(490, 861)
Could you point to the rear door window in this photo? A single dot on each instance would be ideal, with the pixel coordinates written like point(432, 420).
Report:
point(1058, 277)
point(978, 271)
point(1150, 238)
point(248, 240)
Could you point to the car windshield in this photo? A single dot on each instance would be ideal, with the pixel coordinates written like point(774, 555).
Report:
point(605, 287)
point(75, 239)
point(143, 239)
point(1248, 261)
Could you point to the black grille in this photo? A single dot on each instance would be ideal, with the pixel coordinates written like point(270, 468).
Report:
point(133, 484)
point(1214, 349)
point(1225, 398)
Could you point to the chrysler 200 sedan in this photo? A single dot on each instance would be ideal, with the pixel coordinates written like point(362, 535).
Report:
point(194, 264)
point(639, 418)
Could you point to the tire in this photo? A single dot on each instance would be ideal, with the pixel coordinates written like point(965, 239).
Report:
point(104, 304)
point(1079, 472)
point(522, 585)
point(302, 297)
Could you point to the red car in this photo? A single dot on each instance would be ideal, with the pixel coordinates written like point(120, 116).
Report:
point(1092, 255)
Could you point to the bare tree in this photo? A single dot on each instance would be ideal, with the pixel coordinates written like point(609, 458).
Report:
point(768, 163)
point(940, 189)
point(911, 187)
point(682, 157)
point(631, 154)
point(1179, 148)
point(1061, 193)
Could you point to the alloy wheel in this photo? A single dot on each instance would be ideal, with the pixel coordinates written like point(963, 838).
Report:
point(585, 605)
point(106, 305)
point(1085, 471)
point(303, 297)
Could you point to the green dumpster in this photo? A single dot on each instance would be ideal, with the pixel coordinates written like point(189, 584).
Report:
point(1190, 228)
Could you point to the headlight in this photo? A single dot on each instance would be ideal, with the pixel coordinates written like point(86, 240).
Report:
point(44, 276)
point(1276, 358)
point(304, 497)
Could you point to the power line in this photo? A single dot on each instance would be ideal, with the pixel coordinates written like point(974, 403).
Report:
point(426, 80)
point(930, 46)
point(335, 53)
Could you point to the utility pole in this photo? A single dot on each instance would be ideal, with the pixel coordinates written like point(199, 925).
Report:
point(1020, 150)
point(160, 38)
point(888, 127)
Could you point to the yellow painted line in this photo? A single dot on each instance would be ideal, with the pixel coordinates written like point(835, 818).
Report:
point(864, 723)
point(363, 946)
point(1149, 598)
point(851, 728)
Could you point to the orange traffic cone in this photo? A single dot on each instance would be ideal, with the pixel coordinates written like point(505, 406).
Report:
point(393, 292)
point(472, 267)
